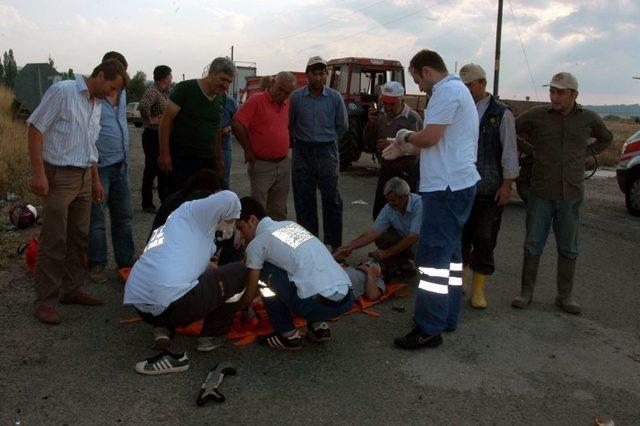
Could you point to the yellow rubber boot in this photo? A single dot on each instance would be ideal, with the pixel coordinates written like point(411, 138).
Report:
point(477, 291)
point(465, 278)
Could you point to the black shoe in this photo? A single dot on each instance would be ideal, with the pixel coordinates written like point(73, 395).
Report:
point(276, 341)
point(416, 339)
point(149, 209)
point(320, 335)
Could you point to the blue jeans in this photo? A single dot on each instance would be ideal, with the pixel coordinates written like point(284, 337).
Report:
point(286, 300)
point(226, 158)
point(317, 166)
point(563, 215)
point(439, 259)
point(117, 198)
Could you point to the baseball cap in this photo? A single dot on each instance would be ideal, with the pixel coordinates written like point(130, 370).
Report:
point(392, 92)
point(315, 60)
point(563, 80)
point(472, 72)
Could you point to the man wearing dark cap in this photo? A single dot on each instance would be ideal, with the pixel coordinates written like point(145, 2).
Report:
point(498, 166)
point(558, 133)
point(317, 119)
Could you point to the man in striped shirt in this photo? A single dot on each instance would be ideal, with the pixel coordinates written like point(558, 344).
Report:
point(62, 134)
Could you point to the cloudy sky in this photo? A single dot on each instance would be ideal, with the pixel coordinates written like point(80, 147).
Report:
point(597, 40)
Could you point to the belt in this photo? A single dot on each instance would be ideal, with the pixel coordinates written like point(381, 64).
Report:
point(271, 160)
point(328, 302)
point(68, 167)
point(313, 142)
point(117, 165)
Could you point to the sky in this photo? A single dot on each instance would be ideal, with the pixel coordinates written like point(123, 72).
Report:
point(596, 40)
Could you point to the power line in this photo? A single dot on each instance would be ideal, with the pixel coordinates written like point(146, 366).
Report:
point(526, 60)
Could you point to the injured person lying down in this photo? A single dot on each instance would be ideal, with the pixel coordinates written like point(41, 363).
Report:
point(174, 282)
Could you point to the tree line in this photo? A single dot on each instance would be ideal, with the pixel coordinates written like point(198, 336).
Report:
point(9, 71)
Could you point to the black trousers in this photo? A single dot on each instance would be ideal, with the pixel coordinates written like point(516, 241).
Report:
point(151, 149)
point(389, 239)
point(480, 234)
point(183, 166)
point(410, 175)
point(208, 300)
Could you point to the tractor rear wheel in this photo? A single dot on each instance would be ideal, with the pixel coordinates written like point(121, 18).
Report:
point(349, 145)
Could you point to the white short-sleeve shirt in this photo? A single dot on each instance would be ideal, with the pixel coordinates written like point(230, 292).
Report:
point(306, 260)
point(451, 163)
point(178, 253)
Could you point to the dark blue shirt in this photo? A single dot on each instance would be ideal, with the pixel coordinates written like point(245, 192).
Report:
point(320, 118)
point(230, 109)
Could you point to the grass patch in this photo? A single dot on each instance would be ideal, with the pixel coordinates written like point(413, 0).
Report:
point(622, 129)
point(15, 171)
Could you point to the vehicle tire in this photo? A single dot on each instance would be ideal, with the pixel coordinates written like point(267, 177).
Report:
point(349, 145)
point(632, 196)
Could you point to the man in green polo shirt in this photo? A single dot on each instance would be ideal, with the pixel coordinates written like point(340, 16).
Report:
point(190, 127)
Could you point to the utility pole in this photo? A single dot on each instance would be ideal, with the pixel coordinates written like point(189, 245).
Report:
point(496, 67)
point(231, 53)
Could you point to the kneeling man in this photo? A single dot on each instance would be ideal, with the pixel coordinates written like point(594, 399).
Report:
point(395, 231)
point(174, 283)
point(297, 275)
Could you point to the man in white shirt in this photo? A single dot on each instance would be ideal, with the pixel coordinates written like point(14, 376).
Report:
point(297, 274)
point(62, 147)
point(448, 147)
point(173, 283)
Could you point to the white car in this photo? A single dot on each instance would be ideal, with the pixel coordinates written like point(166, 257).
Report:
point(133, 114)
point(628, 173)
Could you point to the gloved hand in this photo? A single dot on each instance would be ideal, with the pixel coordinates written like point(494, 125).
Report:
point(393, 151)
point(400, 136)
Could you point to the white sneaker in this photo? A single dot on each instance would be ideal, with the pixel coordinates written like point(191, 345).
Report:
point(206, 344)
point(163, 363)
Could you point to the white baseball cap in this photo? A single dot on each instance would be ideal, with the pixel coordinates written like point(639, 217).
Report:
point(315, 60)
point(472, 72)
point(564, 80)
point(392, 91)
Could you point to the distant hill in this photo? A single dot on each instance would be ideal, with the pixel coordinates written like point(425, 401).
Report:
point(619, 110)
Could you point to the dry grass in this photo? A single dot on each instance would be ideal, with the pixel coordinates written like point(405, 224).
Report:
point(15, 170)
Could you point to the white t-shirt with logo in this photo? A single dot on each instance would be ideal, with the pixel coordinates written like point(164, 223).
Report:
point(306, 260)
point(178, 252)
point(452, 161)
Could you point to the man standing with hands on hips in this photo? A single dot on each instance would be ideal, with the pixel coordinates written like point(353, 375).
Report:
point(448, 145)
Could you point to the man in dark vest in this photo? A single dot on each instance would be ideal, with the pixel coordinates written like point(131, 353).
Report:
point(498, 167)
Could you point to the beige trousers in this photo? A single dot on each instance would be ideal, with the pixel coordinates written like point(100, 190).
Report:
point(60, 262)
point(270, 185)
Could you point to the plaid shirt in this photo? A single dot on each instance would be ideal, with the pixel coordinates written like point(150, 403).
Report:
point(152, 104)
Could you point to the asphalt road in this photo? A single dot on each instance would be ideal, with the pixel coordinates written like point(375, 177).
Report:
point(502, 366)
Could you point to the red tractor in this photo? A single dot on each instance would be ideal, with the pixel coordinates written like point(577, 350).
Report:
point(359, 81)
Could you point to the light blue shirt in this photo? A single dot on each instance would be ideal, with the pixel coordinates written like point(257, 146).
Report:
point(230, 109)
point(113, 141)
point(69, 120)
point(451, 162)
point(317, 118)
point(405, 223)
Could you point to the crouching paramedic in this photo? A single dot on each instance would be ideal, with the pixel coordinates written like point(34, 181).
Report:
point(174, 284)
point(297, 275)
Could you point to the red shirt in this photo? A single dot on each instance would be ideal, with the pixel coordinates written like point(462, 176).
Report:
point(267, 124)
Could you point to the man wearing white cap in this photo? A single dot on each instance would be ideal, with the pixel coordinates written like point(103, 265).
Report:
point(498, 166)
point(317, 120)
point(395, 115)
point(559, 133)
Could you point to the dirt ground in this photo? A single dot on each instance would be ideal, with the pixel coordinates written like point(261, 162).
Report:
point(502, 366)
